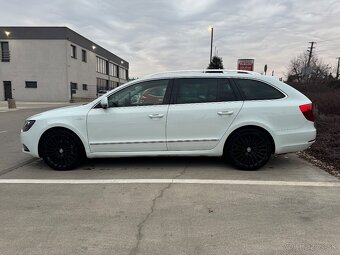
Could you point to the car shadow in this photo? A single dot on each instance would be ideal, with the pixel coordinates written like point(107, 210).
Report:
point(152, 162)
point(155, 168)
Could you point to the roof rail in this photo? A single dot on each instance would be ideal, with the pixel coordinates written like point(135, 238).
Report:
point(229, 71)
point(169, 72)
point(202, 71)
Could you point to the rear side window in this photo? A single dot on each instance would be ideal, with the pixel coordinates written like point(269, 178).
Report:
point(256, 90)
point(196, 91)
point(226, 92)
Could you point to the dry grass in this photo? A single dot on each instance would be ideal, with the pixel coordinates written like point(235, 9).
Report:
point(326, 98)
point(327, 145)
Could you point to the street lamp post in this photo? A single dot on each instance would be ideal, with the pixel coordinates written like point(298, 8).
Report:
point(211, 42)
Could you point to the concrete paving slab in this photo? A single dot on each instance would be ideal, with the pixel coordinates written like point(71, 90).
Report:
point(280, 168)
point(168, 219)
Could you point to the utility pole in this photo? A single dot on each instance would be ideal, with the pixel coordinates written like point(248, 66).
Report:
point(337, 70)
point(211, 42)
point(310, 53)
point(306, 72)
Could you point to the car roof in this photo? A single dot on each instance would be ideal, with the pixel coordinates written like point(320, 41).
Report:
point(221, 73)
point(202, 74)
point(212, 73)
point(208, 73)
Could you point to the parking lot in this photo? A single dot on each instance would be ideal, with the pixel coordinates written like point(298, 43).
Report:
point(165, 205)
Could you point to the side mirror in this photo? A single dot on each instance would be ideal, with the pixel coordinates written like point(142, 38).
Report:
point(104, 103)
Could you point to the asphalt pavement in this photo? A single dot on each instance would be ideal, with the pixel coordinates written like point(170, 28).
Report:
point(11, 122)
point(165, 205)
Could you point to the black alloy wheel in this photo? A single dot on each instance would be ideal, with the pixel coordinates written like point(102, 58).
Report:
point(249, 149)
point(62, 150)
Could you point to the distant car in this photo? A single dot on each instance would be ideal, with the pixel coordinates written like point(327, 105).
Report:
point(101, 92)
point(243, 116)
point(153, 95)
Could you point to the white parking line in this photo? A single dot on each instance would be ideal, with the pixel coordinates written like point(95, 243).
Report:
point(175, 181)
point(3, 131)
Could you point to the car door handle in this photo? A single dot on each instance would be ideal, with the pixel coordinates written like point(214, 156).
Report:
point(156, 116)
point(225, 113)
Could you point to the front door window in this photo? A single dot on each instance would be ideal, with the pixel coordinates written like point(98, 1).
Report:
point(141, 94)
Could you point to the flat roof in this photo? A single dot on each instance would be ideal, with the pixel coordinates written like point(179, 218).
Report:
point(59, 33)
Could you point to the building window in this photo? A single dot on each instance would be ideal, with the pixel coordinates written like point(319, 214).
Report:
point(84, 86)
point(122, 73)
point(102, 84)
point(4, 52)
point(102, 65)
point(83, 56)
point(112, 70)
point(31, 84)
point(74, 86)
point(73, 51)
point(117, 71)
point(112, 85)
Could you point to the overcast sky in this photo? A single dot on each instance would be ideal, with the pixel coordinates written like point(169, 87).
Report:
point(157, 35)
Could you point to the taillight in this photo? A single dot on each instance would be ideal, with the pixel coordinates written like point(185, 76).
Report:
point(307, 110)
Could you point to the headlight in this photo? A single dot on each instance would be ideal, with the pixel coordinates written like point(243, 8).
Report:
point(28, 124)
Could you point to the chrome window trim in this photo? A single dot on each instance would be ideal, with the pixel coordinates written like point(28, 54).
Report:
point(143, 142)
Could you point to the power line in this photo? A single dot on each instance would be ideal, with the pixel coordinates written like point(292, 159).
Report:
point(328, 55)
point(329, 40)
point(327, 50)
point(331, 43)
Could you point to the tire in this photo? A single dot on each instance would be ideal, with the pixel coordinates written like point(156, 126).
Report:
point(62, 150)
point(249, 149)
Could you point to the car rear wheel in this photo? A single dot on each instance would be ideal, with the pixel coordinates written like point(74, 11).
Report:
point(62, 150)
point(249, 149)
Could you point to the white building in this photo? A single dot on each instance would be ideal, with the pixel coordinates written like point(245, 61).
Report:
point(55, 64)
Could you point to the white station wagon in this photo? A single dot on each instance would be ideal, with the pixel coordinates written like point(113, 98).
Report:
point(243, 116)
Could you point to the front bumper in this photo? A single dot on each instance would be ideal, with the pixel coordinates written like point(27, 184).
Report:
point(30, 141)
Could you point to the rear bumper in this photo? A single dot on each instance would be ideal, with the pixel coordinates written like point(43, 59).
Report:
point(295, 147)
point(294, 141)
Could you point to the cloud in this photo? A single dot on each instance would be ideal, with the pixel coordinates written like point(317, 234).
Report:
point(168, 35)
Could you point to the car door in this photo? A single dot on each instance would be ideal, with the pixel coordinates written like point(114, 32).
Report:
point(131, 123)
point(201, 112)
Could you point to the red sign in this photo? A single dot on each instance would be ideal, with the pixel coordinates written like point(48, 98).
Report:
point(245, 64)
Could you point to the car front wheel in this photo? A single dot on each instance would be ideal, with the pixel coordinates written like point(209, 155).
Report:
point(249, 149)
point(62, 150)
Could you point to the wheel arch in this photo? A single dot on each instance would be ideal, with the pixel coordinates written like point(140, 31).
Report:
point(226, 144)
point(56, 128)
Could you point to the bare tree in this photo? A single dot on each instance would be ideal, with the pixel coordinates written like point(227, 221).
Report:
point(299, 71)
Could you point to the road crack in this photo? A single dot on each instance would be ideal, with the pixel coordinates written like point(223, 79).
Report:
point(140, 226)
